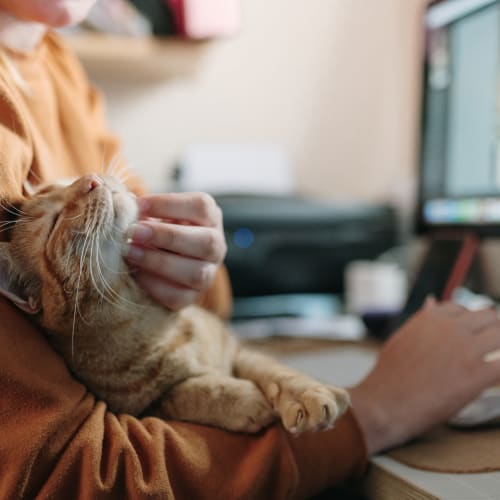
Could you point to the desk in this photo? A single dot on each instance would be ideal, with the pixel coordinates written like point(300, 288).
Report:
point(345, 364)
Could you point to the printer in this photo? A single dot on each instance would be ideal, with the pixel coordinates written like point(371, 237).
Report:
point(290, 245)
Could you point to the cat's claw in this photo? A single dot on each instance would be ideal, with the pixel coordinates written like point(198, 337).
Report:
point(306, 407)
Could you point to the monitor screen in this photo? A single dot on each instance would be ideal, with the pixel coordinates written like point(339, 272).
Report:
point(460, 163)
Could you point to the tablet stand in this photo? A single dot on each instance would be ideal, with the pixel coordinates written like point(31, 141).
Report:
point(444, 268)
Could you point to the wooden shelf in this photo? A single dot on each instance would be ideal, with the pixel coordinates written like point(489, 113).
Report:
point(149, 58)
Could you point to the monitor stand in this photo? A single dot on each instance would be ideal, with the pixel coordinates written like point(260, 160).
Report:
point(469, 245)
point(444, 268)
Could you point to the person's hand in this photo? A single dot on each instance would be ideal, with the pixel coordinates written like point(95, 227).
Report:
point(177, 246)
point(431, 368)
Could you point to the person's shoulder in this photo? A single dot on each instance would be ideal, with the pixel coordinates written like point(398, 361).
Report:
point(12, 87)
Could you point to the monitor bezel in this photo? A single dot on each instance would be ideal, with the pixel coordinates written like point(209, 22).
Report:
point(422, 226)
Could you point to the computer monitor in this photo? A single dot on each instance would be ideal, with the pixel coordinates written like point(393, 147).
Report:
point(459, 198)
point(460, 150)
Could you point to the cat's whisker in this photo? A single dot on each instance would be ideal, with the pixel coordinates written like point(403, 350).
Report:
point(93, 261)
point(14, 223)
point(11, 224)
point(119, 165)
point(7, 205)
point(85, 251)
point(12, 210)
point(77, 293)
point(79, 232)
point(7, 225)
point(74, 218)
point(120, 168)
point(124, 175)
point(113, 165)
point(110, 300)
point(99, 274)
point(92, 279)
point(72, 250)
point(113, 271)
point(109, 167)
point(108, 236)
point(10, 206)
point(108, 287)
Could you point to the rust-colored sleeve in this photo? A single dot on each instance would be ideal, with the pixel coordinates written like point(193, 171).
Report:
point(57, 441)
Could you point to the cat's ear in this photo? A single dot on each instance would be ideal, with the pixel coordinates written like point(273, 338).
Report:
point(11, 284)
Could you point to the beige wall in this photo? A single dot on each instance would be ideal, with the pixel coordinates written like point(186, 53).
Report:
point(335, 82)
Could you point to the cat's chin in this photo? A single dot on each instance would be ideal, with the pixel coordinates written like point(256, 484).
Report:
point(125, 211)
point(120, 202)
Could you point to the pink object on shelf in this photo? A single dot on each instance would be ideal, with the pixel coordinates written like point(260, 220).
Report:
point(200, 19)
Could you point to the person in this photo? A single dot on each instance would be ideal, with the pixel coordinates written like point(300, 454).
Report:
point(58, 441)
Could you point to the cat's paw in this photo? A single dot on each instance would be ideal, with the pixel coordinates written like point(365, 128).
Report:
point(305, 405)
point(251, 413)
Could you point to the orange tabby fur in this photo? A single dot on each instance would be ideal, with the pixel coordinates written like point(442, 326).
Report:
point(63, 264)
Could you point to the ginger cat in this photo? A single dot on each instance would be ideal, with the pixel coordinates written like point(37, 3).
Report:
point(63, 264)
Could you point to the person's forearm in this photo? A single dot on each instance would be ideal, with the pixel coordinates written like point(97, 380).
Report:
point(379, 433)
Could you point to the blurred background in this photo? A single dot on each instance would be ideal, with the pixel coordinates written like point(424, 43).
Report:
point(334, 84)
point(305, 122)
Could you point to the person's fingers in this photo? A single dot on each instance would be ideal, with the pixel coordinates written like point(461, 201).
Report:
point(197, 208)
point(491, 369)
point(479, 320)
point(192, 241)
point(449, 309)
point(190, 273)
point(492, 356)
point(487, 340)
point(166, 294)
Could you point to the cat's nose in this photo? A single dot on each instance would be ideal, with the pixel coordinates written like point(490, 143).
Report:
point(90, 182)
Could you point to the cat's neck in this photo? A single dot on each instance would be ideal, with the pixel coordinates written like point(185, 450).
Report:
point(113, 334)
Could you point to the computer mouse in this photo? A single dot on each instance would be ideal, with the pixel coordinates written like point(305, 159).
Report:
point(485, 410)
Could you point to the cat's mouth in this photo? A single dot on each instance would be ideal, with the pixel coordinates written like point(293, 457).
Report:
point(111, 210)
point(115, 207)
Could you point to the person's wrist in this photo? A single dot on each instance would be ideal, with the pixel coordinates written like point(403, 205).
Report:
point(372, 418)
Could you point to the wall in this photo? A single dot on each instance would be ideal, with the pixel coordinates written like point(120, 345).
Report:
point(335, 82)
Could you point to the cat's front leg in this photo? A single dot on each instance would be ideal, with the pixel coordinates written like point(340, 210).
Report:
point(218, 400)
point(304, 404)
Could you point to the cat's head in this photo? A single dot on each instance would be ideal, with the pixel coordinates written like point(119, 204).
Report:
point(64, 249)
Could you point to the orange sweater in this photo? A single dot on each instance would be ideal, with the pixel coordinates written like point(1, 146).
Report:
point(56, 440)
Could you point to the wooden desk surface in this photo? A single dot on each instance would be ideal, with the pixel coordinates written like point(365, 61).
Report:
point(345, 363)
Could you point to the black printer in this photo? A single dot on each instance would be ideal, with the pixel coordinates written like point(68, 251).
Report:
point(285, 245)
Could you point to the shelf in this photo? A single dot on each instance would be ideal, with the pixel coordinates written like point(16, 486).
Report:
point(149, 58)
